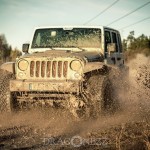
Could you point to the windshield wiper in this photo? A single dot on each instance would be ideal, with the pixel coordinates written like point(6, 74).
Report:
point(82, 49)
point(51, 47)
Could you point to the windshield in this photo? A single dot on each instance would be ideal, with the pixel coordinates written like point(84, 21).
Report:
point(59, 37)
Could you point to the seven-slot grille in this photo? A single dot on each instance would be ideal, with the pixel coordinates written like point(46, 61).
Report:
point(49, 69)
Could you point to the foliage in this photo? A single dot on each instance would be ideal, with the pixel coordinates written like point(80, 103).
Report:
point(6, 51)
point(133, 45)
point(14, 54)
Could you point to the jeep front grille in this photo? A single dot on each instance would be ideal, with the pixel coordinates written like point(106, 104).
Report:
point(49, 69)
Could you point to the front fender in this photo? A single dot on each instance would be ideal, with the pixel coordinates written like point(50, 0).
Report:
point(91, 66)
point(9, 66)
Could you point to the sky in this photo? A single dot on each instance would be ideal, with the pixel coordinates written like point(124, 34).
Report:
point(18, 18)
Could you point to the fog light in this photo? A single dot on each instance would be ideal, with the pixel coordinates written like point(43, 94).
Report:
point(20, 75)
point(77, 75)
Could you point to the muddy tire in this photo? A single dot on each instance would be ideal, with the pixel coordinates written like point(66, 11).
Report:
point(97, 97)
point(5, 96)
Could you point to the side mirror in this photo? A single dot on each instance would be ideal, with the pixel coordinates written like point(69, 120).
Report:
point(25, 48)
point(111, 47)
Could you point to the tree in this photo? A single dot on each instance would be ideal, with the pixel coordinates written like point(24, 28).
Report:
point(5, 49)
point(134, 45)
point(14, 54)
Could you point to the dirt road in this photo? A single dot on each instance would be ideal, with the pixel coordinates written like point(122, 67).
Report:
point(128, 128)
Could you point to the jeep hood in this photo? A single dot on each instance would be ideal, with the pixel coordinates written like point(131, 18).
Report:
point(93, 56)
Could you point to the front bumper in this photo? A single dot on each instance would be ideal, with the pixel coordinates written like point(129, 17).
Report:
point(50, 86)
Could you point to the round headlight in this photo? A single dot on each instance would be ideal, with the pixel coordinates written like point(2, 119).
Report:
point(23, 64)
point(75, 65)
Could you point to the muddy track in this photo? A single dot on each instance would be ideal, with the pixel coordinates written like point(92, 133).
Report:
point(133, 135)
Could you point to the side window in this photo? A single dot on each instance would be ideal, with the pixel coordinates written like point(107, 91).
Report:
point(107, 39)
point(114, 38)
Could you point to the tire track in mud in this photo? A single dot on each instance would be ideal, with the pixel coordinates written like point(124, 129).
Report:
point(128, 128)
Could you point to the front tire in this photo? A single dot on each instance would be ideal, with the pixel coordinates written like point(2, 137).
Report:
point(97, 97)
point(6, 104)
point(99, 92)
